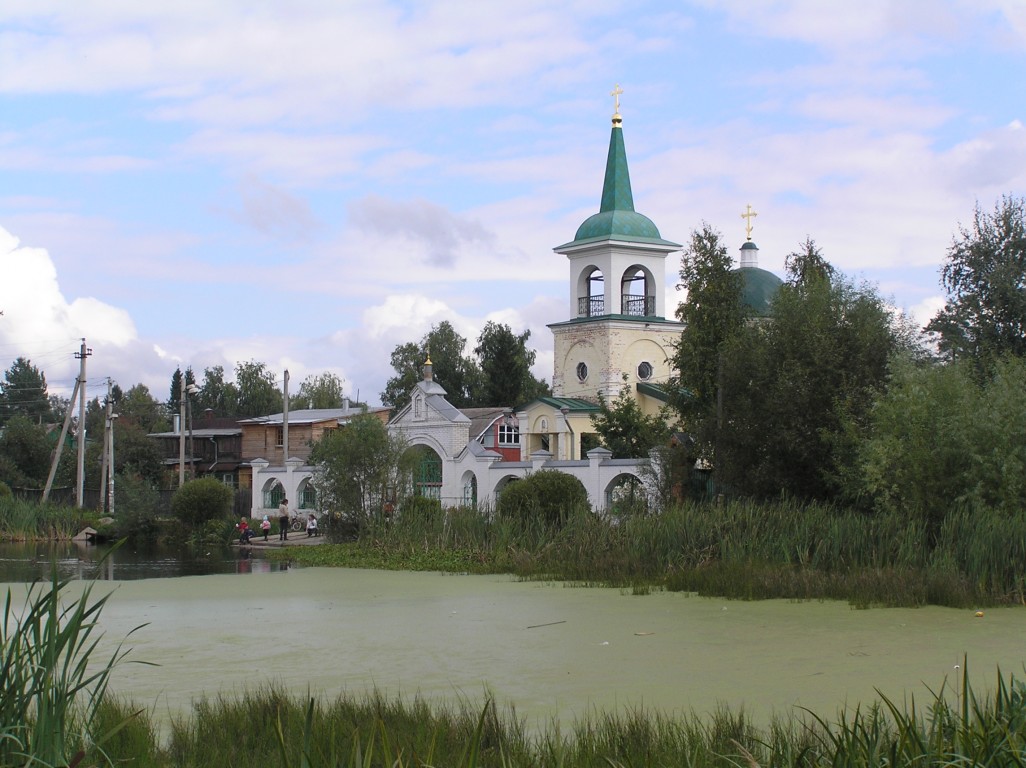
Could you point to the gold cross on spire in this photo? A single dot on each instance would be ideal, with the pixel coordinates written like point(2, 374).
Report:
point(749, 214)
point(615, 93)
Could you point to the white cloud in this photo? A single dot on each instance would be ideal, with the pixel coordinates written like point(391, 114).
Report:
point(38, 319)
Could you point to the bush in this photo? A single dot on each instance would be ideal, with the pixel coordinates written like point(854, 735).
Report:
point(421, 506)
point(201, 500)
point(135, 509)
point(547, 496)
point(5, 490)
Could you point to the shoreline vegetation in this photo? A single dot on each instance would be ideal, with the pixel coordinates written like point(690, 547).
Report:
point(735, 549)
point(974, 558)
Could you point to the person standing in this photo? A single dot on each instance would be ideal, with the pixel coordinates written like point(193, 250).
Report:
point(283, 520)
point(265, 526)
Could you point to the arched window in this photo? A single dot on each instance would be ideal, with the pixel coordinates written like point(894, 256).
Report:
point(427, 478)
point(470, 491)
point(593, 303)
point(636, 293)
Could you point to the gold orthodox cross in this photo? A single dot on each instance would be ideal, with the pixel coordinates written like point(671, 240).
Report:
point(615, 93)
point(748, 215)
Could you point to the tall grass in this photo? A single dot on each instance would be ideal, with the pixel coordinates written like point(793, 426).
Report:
point(28, 521)
point(49, 692)
point(737, 549)
point(270, 728)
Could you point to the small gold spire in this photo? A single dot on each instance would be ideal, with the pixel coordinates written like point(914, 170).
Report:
point(615, 93)
point(748, 215)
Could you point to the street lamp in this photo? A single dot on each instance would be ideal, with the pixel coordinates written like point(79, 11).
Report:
point(190, 390)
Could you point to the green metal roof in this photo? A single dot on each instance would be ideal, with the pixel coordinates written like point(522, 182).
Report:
point(626, 224)
point(616, 217)
point(646, 319)
point(655, 391)
point(759, 289)
point(575, 404)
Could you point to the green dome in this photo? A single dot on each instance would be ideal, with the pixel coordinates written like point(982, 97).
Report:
point(626, 224)
point(759, 287)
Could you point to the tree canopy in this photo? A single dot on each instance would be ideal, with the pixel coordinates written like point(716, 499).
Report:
point(458, 374)
point(24, 453)
point(217, 395)
point(324, 390)
point(359, 468)
point(625, 430)
point(796, 386)
point(713, 313)
point(255, 391)
point(138, 406)
point(984, 316)
point(23, 390)
point(501, 368)
point(506, 367)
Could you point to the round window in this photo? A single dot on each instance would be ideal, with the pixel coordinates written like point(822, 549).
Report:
point(645, 371)
point(582, 371)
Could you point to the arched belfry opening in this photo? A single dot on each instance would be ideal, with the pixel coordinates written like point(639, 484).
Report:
point(637, 292)
point(591, 289)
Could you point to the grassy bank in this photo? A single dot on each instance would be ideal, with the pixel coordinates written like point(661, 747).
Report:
point(28, 521)
point(267, 727)
point(737, 549)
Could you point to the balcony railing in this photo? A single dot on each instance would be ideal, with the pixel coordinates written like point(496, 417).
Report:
point(639, 306)
point(591, 306)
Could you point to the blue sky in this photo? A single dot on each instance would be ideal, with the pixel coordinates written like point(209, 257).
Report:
point(309, 184)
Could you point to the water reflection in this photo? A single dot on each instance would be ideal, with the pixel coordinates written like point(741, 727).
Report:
point(26, 562)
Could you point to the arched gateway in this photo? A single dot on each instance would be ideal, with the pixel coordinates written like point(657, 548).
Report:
point(459, 459)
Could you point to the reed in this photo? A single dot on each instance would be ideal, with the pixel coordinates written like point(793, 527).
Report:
point(28, 521)
point(739, 549)
point(957, 726)
point(50, 694)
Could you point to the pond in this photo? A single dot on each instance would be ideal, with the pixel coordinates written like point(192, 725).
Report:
point(550, 650)
point(28, 561)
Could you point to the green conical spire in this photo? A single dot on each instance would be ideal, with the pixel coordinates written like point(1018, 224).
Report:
point(617, 218)
point(616, 189)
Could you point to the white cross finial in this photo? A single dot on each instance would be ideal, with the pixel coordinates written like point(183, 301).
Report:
point(615, 93)
point(748, 215)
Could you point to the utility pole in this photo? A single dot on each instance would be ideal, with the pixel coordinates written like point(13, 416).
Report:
point(191, 390)
point(285, 417)
point(104, 467)
point(285, 440)
point(110, 465)
point(181, 434)
point(60, 443)
point(82, 354)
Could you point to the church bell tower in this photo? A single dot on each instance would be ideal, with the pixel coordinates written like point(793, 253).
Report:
point(617, 308)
